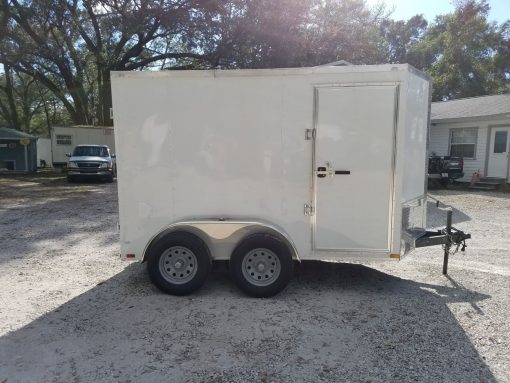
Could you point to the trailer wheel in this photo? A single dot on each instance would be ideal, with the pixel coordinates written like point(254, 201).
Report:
point(179, 263)
point(261, 265)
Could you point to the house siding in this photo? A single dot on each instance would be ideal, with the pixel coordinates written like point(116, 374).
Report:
point(440, 145)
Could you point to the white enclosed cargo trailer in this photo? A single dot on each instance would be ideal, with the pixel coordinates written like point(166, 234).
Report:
point(263, 167)
point(65, 138)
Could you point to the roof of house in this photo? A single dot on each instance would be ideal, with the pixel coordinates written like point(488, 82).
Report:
point(484, 106)
point(7, 133)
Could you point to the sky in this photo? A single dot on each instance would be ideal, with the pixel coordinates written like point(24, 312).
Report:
point(404, 9)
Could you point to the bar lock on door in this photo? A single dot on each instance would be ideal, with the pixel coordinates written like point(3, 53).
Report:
point(325, 171)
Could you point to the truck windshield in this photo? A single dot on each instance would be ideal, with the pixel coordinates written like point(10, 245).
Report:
point(93, 151)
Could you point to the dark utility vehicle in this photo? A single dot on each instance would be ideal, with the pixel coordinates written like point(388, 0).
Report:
point(443, 170)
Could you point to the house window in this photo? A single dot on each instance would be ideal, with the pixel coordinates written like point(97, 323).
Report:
point(64, 139)
point(463, 142)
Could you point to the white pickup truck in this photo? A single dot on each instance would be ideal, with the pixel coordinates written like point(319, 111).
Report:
point(91, 161)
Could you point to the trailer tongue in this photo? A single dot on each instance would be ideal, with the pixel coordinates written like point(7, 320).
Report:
point(449, 237)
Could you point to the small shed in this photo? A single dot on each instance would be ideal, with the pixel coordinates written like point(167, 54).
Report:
point(476, 129)
point(18, 151)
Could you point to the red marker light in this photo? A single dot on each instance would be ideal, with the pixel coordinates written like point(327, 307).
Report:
point(130, 255)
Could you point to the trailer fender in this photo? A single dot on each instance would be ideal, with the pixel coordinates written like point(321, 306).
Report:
point(222, 235)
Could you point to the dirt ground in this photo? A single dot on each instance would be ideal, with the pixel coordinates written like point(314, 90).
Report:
point(71, 311)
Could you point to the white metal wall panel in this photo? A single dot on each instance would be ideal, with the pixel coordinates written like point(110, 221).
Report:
point(415, 138)
point(59, 151)
point(80, 136)
point(44, 151)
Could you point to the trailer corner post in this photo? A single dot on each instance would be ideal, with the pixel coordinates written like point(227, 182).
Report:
point(448, 244)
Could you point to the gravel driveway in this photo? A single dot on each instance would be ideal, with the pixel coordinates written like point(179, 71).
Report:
point(71, 311)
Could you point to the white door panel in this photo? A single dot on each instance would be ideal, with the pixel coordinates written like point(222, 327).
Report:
point(355, 133)
point(499, 150)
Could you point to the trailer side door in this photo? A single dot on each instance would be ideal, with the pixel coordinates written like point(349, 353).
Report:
point(354, 149)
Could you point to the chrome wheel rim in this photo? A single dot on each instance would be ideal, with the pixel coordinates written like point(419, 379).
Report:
point(178, 265)
point(261, 267)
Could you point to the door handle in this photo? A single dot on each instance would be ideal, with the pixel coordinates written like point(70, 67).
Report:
point(323, 172)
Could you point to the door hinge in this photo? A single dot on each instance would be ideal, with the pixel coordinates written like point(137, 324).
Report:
point(309, 134)
point(308, 209)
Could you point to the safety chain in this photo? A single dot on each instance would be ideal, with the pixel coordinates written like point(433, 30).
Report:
point(450, 243)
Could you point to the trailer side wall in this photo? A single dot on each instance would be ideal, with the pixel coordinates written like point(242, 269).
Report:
point(229, 144)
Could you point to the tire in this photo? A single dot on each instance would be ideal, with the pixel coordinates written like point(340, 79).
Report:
point(109, 178)
point(273, 272)
point(71, 179)
point(444, 182)
point(179, 263)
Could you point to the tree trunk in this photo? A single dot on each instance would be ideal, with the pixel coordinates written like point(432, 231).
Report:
point(13, 111)
point(105, 98)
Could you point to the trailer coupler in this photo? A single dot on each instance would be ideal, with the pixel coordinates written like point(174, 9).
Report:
point(449, 237)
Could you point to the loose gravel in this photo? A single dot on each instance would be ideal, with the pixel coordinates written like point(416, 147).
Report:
point(72, 311)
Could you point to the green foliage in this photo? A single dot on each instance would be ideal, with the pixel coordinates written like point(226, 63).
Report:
point(59, 53)
point(464, 53)
point(28, 106)
point(343, 30)
point(402, 36)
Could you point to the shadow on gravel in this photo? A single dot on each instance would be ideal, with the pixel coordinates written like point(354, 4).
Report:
point(464, 191)
point(437, 217)
point(54, 222)
point(334, 323)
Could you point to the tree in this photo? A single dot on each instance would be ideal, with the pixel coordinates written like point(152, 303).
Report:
point(290, 33)
point(71, 46)
point(343, 30)
point(401, 36)
point(26, 105)
point(464, 53)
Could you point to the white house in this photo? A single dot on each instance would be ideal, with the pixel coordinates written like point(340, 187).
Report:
point(477, 129)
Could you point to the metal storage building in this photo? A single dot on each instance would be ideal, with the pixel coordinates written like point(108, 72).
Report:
point(65, 138)
point(44, 152)
point(18, 151)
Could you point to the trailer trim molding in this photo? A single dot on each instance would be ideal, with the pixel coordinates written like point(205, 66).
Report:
point(221, 235)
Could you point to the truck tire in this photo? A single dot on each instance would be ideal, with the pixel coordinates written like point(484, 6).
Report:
point(179, 263)
point(261, 265)
point(444, 182)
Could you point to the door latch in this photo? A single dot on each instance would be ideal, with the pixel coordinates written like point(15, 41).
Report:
point(328, 171)
point(308, 209)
